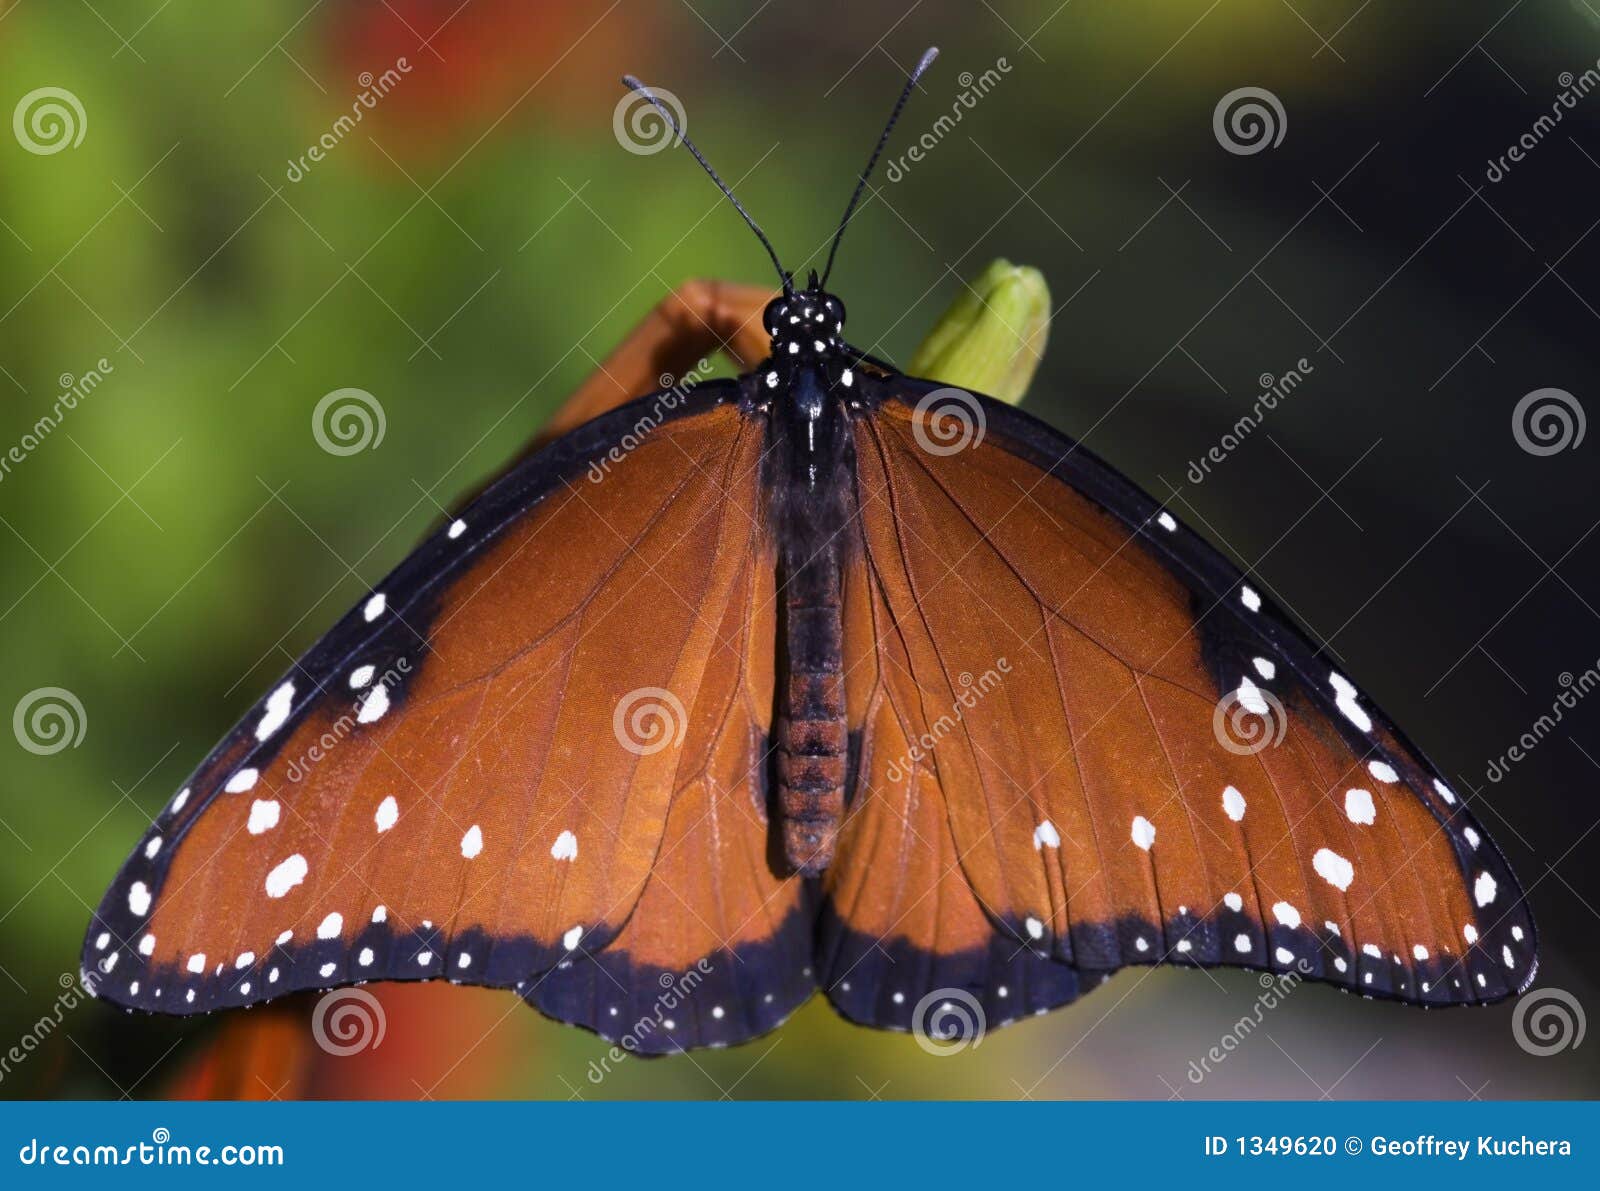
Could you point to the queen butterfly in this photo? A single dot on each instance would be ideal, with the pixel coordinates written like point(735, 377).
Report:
point(828, 677)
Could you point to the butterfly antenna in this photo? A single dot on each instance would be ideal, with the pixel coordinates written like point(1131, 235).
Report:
point(928, 56)
point(634, 84)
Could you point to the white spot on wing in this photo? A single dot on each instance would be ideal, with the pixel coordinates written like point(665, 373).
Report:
point(1484, 889)
point(278, 705)
point(387, 814)
point(565, 847)
point(373, 705)
point(472, 842)
point(263, 815)
point(1234, 902)
point(457, 528)
point(374, 607)
point(330, 926)
point(1233, 803)
point(1333, 868)
point(360, 676)
point(1286, 914)
point(1251, 600)
point(1358, 807)
point(1046, 836)
point(1383, 771)
point(570, 939)
point(1144, 832)
point(139, 898)
point(286, 875)
point(242, 781)
point(1345, 698)
point(1165, 520)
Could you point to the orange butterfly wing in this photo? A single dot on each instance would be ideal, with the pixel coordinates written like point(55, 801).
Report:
point(1066, 708)
point(480, 772)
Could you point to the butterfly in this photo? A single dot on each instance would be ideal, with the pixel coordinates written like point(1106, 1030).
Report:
point(824, 677)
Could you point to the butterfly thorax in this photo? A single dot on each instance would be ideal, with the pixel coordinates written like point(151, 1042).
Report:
point(810, 517)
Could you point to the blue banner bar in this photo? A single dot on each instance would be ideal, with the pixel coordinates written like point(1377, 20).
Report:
point(880, 1145)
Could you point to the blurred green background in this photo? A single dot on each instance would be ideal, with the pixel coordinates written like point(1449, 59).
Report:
point(480, 238)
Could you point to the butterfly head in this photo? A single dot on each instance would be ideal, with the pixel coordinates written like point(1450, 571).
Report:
point(805, 324)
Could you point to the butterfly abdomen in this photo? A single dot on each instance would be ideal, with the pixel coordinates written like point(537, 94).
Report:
point(813, 739)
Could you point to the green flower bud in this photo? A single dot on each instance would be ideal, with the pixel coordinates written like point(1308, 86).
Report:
point(993, 336)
